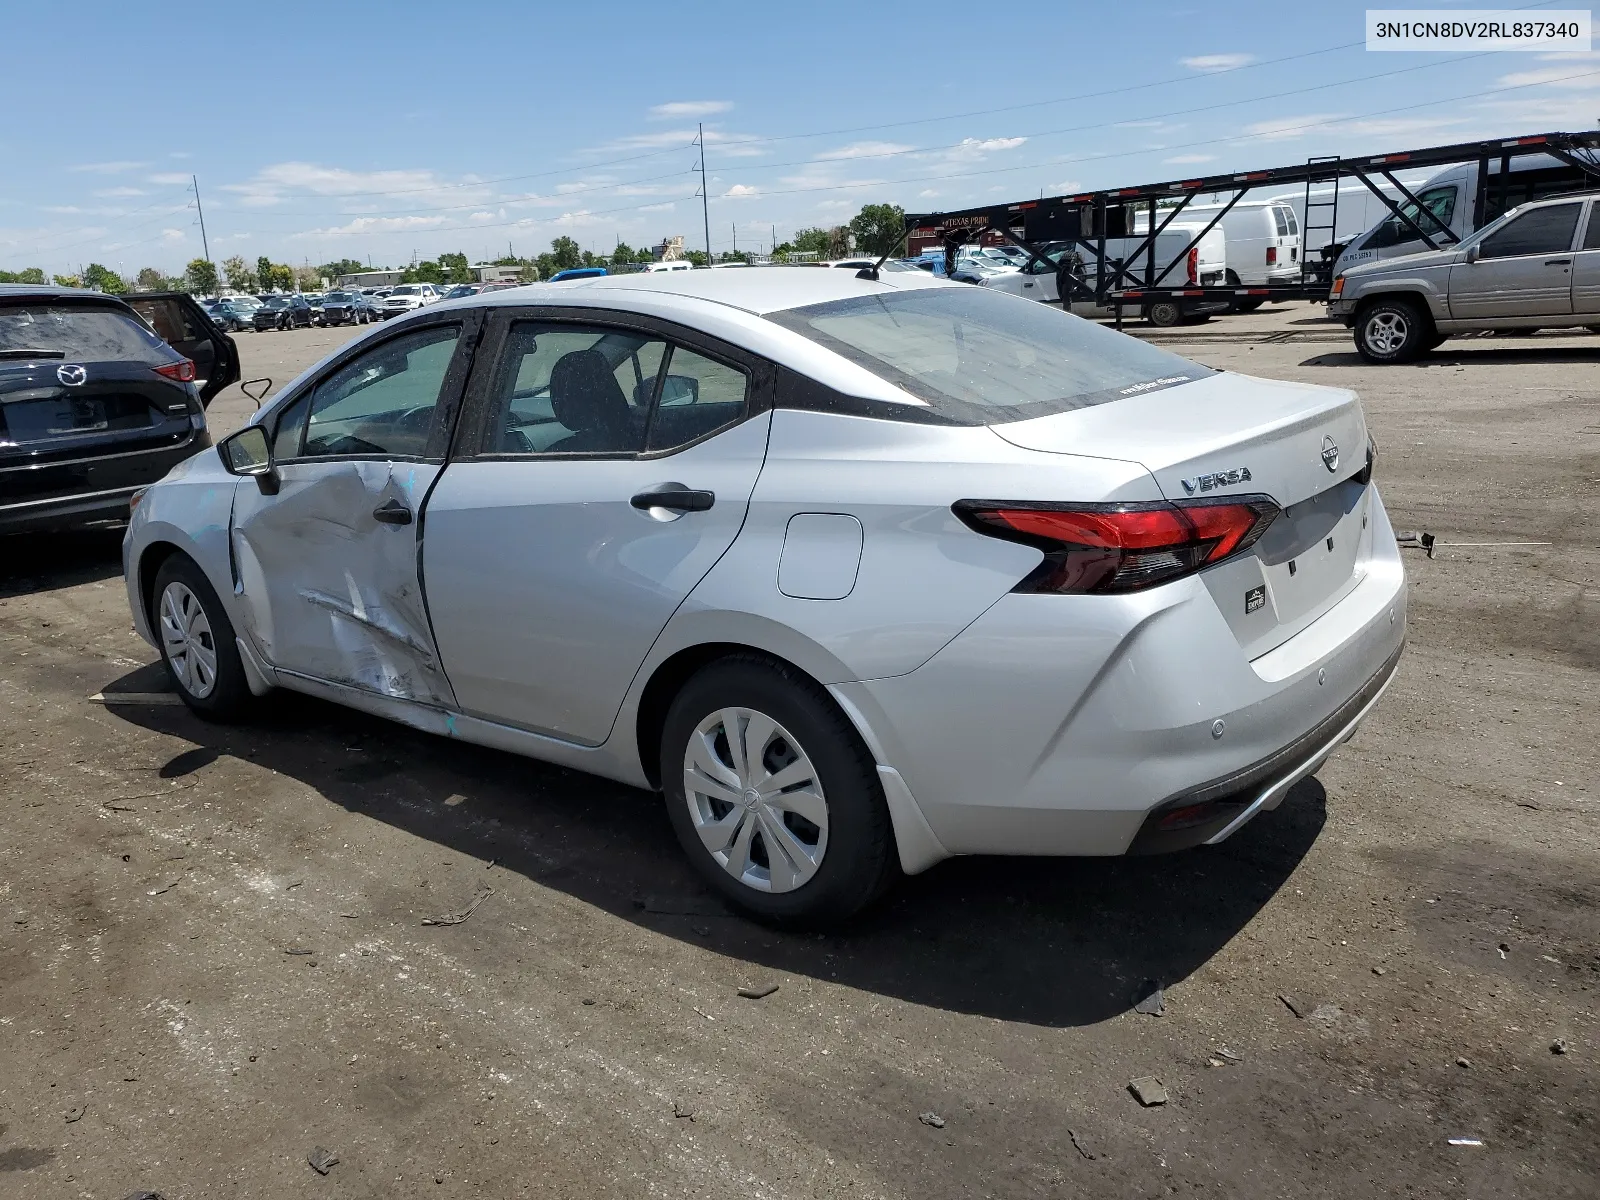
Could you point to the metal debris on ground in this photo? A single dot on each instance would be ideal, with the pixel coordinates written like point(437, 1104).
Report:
point(456, 918)
point(322, 1160)
point(682, 906)
point(75, 1113)
point(758, 993)
point(1559, 1046)
point(165, 887)
point(1078, 1145)
point(1148, 1091)
point(1293, 1005)
point(1228, 1055)
point(1504, 949)
point(144, 1196)
point(1463, 1062)
point(1377, 970)
point(930, 1118)
point(299, 950)
point(1149, 999)
point(1466, 1141)
point(683, 1111)
point(1421, 539)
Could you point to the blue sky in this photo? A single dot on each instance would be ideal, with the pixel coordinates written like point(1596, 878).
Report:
point(375, 131)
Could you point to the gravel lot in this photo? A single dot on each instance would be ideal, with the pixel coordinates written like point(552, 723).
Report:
point(213, 955)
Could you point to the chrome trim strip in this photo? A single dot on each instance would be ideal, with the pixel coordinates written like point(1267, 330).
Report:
point(72, 498)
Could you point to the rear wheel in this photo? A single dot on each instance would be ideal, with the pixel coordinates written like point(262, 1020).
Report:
point(1164, 314)
point(197, 641)
point(773, 796)
point(1392, 331)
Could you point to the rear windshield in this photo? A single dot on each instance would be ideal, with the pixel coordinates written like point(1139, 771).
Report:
point(335, 298)
point(78, 333)
point(407, 290)
point(982, 358)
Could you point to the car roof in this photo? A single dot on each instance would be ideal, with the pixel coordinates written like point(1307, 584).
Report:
point(48, 291)
point(758, 290)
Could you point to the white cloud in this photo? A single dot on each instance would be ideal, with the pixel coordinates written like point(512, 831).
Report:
point(927, 194)
point(680, 109)
point(739, 191)
point(373, 225)
point(271, 185)
point(1180, 159)
point(1279, 129)
point(110, 168)
point(721, 143)
point(120, 191)
point(657, 207)
point(167, 177)
point(1210, 63)
point(180, 154)
point(864, 150)
point(1569, 74)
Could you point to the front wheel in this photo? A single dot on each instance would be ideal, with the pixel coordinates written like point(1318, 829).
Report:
point(1392, 331)
point(197, 641)
point(773, 796)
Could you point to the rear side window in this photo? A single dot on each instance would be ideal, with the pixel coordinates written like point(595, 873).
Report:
point(981, 358)
point(170, 318)
point(1290, 220)
point(1539, 231)
point(77, 333)
point(1280, 221)
point(1591, 239)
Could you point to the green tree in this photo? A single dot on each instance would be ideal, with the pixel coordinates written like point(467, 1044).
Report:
point(782, 250)
point(307, 279)
point(812, 241)
point(456, 268)
point(67, 281)
point(879, 228)
point(201, 274)
point(264, 274)
point(342, 266)
point(104, 279)
point(545, 265)
point(26, 275)
point(622, 254)
point(424, 272)
point(566, 253)
point(697, 257)
point(240, 277)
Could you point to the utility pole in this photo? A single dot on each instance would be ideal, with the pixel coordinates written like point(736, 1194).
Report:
point(735, 227)
point(204, 244)
point(705, 195)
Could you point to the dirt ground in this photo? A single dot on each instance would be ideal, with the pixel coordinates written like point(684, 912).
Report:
point(214, 955)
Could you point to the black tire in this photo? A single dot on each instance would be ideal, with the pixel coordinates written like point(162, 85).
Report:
point(1164, 314)
point(1392, 331)
point(229, 696)
point(859, 860)
point(1435, 340)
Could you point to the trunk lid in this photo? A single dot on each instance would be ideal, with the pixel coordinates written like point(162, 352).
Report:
point(1231, 435)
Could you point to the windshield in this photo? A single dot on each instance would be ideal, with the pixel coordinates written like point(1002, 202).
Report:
point(335, 298)
point(404, 290)
point(276, 302)
point(982, 358)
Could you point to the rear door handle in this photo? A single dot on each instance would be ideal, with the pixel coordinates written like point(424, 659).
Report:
point(1558, 262)
point(392, 512)
point(680, 499)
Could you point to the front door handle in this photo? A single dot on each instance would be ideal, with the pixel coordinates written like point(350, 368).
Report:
point(1558, 262)
point(677, 498)
point(392, 512)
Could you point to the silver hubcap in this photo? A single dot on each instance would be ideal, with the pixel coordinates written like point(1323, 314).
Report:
point(186, 637)
point(755, 800)
point(1386, 332)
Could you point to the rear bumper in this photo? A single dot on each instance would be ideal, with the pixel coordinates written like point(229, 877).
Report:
point(1057, 725)
point(107, 484)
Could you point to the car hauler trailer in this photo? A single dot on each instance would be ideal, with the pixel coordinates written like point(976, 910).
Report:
point(1073, 231)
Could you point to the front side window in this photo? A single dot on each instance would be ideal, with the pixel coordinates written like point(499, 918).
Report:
point(977, 357)
point(575, 389)
point(382, 403)
point(1538, 231)
point(1438, 206)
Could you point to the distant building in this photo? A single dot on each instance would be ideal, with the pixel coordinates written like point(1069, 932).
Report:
point(668, 249)
point(363, 279)
point(493, 273)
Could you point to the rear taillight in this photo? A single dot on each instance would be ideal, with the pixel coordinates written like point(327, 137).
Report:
point(1194, 264)
point(1272, 256)
point(181, 372)
point(1121, 547)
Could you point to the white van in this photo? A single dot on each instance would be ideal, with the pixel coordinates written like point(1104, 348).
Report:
point(1263, 239)
point(1450, 197)
point(669, 264)
point(1203, 264)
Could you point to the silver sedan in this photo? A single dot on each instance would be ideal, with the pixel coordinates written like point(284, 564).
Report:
point(860, 574)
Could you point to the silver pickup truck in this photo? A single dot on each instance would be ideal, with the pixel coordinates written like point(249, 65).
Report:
point(1536, 267)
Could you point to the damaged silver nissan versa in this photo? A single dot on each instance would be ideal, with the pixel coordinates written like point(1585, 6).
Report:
point(860, 573)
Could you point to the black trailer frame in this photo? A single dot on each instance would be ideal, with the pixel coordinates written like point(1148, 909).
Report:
point(1085, 220)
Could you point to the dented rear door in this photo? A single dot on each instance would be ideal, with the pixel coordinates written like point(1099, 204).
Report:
point(327, 566)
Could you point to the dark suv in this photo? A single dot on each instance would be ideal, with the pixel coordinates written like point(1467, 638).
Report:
point(283, 312)
point(94, 404)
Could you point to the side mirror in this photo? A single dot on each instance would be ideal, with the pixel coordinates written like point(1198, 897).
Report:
point(680, 389)
point(1473, 251)
point(248, 453)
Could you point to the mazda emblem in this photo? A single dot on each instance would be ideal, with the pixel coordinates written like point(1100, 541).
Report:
point(1330, 454)
point(72, 376)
